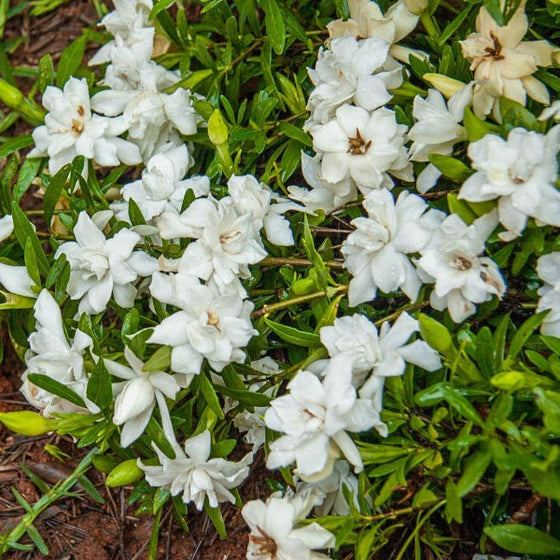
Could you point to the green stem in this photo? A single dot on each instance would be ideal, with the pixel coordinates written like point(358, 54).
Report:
point(268, 309)
point(15, 100)
point(404, 511)
point(281, 261)
point(56, 492)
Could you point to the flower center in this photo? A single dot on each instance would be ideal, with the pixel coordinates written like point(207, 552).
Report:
point(265, 544)
point(495, 52)
point(461, 263)
point(213, 320)
point(78, 125)
point(230, 236)
point(358, 145)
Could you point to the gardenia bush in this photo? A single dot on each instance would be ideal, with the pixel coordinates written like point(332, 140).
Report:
point(357, 268)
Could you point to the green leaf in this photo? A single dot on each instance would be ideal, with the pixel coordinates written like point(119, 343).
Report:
point(15, 144)
point(296, 133)
point(156, 434)
point(454, 25)
point(29, 170)
point(523, 334)
point(37, 539)
point(135, 214)
point(99, 389)
point(293, 335)
point(477, 128)
point(56, 388)
point(215, 516)
point(53, 192)
point(452, 168)
point(159, 6)
point(160, 360)
point(246, 398)
point(70, 60)
point(523, 539)
point(454, 505)
point(209, 394)
point(473, 471)
point(31, 263)
point(461, 208)
point(24, 231)
point(275, 26)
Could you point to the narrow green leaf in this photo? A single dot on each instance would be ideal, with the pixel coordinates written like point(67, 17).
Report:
point(99, 389)
point(209, 394)
point(275, 26)
point(473, 471)
point(24, 231)
point(56, 388)
point(37, 540)
point(452, 168)
point(454, 25)
point(31, 262)
point(160, 360)
point(70, 60)
point(53, 192)
point(523, 539)
point(29, 170)
point(215, 516)
point(15, 144)
point(293, 335)
point(524, 332)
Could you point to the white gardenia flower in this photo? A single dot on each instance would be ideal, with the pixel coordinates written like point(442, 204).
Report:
point(275, 531)
point(377, 253)
point(503, 63)
point(521, 173)
point(323, 195)
point(334, 502)
point(437, 130)
point(152, 118)
point(363, 146)
point(367, 20)
point(315, 417)
point(548, 269)
point(71, 130)
point(51, 354)
point(137, 397)
point(349, 70)
point(226, 241)
point(251, 197)
point(210, 324)
point(453, 261)
point(552, 112)
point(103, 267)
point(198, 477)
point(385, 353)
point(162, 187)
point(6, 226)
point(129, 23)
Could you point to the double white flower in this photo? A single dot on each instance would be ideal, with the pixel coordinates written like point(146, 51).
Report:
point(198, 477)
point(315, 417)
point(377, 253)
point(364, 146)
point(103, 267)
point(453, 261)
point(349, 70)
point(276, 530)
point(210, 324)
point(226, 241)
point(51, 354)
point(71, 130)
point(521, 173)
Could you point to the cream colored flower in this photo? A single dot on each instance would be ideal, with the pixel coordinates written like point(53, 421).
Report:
point(367, 20)
point(504, 64)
